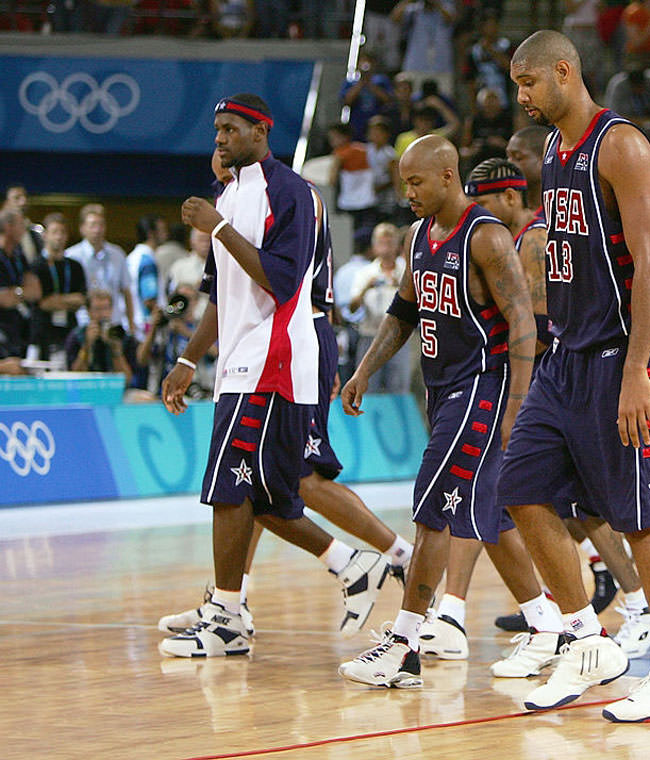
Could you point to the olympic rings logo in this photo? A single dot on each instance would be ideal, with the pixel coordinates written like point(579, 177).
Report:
point(86, 98)
point(27, 448)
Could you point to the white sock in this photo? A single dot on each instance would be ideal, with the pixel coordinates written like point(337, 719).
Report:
point(336, 556)
point(453, 607)
point(635, 601)
point(582, 623)
point(542, 615)
point(229, 600)
point(244, 587)
point(408, 624)
point(400, 551)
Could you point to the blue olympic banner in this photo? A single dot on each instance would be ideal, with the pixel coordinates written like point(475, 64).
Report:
point(50, 454)
point(121, 105)
point(53, 455)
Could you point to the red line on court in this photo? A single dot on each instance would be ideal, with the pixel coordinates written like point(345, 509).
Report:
point(392, 732)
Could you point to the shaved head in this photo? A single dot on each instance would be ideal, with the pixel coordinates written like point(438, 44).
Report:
point(432, 151)
point(544, 49)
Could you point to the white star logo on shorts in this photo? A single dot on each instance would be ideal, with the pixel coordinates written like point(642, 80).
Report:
point(243, 473)
point(312, 446)
point(453, 500)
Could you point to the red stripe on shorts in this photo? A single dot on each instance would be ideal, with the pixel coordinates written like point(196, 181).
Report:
point(498, 328)
point(624, 260)
point(483, 404)
point(473, 451)
point(646, 453)
point(491, 312)
point(479, 427)
point(500, 349)
point(628, 283)
point(244, 445)
point(465, 474)
point(618, 238)
point(251, 422)
point(257, 400)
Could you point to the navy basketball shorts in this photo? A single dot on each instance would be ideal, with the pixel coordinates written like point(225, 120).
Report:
point(566, 429)
point(256, 452)
point(319, 454)
point(455, 485)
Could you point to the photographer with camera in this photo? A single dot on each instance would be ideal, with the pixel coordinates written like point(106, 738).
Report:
point(101, 346)
point(168, 334)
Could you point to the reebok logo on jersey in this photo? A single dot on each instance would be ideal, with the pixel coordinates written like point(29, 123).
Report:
point(455, 394)
point(548, 159)
point(235, 371)
point(418, 255)
point(609, 352)
point(582, 164)
point(452, 261)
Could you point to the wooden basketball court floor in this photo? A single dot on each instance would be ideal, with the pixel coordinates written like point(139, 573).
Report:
point(81, 676)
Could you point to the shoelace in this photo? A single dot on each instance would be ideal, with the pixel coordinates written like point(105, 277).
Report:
point(631, 618)
point(374, 654)
point(521, 641)
point(196, 628)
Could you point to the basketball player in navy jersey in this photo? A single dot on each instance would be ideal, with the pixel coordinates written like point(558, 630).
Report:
point(465, 286)
point(586, 416)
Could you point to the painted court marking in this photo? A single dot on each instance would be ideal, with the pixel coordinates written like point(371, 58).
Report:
point(390, 732)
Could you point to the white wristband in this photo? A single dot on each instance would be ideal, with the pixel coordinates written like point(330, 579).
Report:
point(186, 362)
point(219, 227)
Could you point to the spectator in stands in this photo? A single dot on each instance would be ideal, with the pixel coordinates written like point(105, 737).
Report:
point(63, 285)
point(383, 33)
point(67, 15)
point(110, 16)
point(426, 117)
point(401, 110)
point(636, 22)
point(19, 288)
point(628, 93)
point(428, 27)
point(272, 17)
point(581, 27)
point(143, 273)
point(374, 289)
point(166, 339)
point(173, 249)
point(367, 96)
point(104, 264)
point(31, 241)
point(383, 162)
point(225, 20)
point(351, 174)
point(347, 333)
point(486, 133)
point(488, 62)
point(188, 271)
point(101, 346)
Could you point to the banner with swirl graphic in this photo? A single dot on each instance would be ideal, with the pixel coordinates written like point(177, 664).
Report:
point(68, 453)
point(143, 106)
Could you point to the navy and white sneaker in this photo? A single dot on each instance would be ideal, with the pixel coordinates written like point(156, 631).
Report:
point(361, 578)
point(219, 633)
point(391, 663)
point(181, 621)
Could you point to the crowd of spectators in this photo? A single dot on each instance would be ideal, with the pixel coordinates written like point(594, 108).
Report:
point(91, 308)
point(427, 66)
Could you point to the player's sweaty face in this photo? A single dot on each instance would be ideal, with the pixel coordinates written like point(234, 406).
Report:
point(533, 92)
point(424, 188)
point(234, 140)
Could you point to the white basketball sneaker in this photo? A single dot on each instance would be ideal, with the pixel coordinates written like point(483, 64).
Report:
point(219, 633)
point(634, 635)
point(247, 618)
point(533, 651)
point(443, 637)
point(361, 579)
point(586, 662)
point(633, 709)
point(391, 663)
point(177, 623)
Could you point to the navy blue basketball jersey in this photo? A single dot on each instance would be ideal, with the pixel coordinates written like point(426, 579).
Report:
point(322, 293)
point(589, 269)
point(535, 223)
point(460, 337)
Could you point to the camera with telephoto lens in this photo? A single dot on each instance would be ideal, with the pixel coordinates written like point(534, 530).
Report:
point(176, 307)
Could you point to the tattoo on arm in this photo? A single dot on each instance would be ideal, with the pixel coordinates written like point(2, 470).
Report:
point(425, 592)
point(391, 336)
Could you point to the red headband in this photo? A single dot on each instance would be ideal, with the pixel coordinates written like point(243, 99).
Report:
point(246, 112)
point(487, 186)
